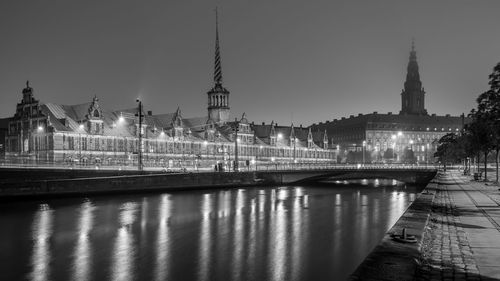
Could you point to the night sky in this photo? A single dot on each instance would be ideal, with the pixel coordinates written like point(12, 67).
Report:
point(300, 61)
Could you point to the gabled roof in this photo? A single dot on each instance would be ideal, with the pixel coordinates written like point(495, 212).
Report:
point(262, 131)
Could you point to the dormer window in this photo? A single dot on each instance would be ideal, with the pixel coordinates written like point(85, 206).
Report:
point(96, 113)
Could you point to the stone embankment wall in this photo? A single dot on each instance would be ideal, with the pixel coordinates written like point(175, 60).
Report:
point(128, 183)
point(391, 260)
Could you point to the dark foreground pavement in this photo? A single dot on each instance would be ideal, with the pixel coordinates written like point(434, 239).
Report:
point(457, 224)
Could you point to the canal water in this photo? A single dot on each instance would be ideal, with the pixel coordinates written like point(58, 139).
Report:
point(275, 233)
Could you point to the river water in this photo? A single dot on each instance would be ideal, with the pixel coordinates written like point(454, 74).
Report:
point(274, 233)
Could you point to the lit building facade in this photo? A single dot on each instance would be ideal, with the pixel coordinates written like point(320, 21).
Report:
point(86, 134)
point(410, 136)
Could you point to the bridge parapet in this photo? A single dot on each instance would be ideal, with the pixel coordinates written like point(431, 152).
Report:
point(410, 176)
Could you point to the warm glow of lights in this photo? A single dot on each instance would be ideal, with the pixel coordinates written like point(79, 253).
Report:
point(400, 133)
point(280, 136)
point(40, 128)
point(81, 127)
point(205, 142)
point(393, 137)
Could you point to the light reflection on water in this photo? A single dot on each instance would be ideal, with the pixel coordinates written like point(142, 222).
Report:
point(83, 251)
point(163, 241)
point(42, 232)
point(123, 264)
point(285, 233)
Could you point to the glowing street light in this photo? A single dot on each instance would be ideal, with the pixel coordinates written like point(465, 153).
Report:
point(363, 151)
point(40, 129)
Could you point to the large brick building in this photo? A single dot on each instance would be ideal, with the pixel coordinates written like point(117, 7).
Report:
point(87, 134)
point(412, 133)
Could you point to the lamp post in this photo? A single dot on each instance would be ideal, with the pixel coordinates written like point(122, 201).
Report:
point(363, 151)
point(39, 130)
point(80, 129)
point(393, 137)
point(139, 109)
point(294, 149)
point(236, 129)
point(411, 149)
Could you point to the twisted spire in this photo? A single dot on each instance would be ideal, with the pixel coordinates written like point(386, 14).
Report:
point(218, 64)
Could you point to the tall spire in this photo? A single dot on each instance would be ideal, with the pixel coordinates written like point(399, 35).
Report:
point(413, 75)
point(217, 65)
point(413, 53)
point(218, 96)
point(413, 94)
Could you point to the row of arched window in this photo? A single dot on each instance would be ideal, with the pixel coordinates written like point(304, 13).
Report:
point(218, 100)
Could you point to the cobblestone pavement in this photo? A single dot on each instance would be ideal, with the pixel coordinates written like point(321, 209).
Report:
point(455, 246)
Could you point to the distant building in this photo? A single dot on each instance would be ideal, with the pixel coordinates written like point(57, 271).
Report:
point(410, 136)
point(86, 134)
point(4, 125)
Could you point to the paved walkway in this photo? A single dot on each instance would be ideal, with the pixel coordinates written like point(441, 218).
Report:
point(462, 238)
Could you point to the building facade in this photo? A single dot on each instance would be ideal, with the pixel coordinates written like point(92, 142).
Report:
point(410, 136)
point(87, 134)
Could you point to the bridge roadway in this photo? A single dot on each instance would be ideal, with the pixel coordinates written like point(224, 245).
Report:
point(407, 174)
point(49, 182)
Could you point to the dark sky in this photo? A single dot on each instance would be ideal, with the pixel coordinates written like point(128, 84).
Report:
point(283, 60)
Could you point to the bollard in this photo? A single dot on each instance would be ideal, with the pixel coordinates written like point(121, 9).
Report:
point(404, 237)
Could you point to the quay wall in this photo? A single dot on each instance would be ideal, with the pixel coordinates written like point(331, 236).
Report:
point(41, 182)
point(391, 260)
point(127, 183)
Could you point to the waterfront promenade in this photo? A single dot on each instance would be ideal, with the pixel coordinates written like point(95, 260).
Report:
point(460, 240)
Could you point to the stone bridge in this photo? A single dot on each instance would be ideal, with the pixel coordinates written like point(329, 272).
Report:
point(408, 175)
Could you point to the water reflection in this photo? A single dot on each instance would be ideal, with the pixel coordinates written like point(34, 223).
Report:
point(41, 235)
point(278, 239)
point(238, 231)
point(83, 252)
point(297, 227)
point(163, 241)
point(285, 233)
point(205, 238)
point(123, 254)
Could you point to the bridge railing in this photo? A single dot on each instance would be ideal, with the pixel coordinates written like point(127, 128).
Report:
point(256, 166)
point(332, 166)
